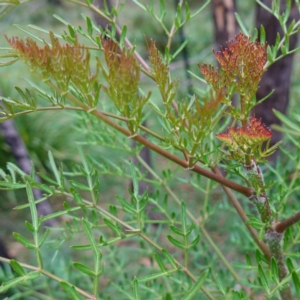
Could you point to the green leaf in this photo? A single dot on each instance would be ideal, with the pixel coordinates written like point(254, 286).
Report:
point(113, 227)
point(162, 9)
point(46, 178)
point(126, 205)
point(8, 63)
point(286, 121)
point(287, 10)
point(139, 4)
point(33, 210)
point(29, 33)
point(290, 265)
point(54, 168)
point(262, 35)
point(61, 19)
point(11, 283)
point(76, 196)
point(169, 257)
point(275, 273)
point(79, 185)
point(220, 284)
point(195, 241)
point(243, 27)
point(29, 226)
point(248, 259)
point(123, 36)
point(187, 12)
point(136, 289)
point(89, 26)
point(90, 236)
point(176, 230)
point(291, 27)
point(200, 9)
point(194, 290)
point(168, 55)
point(43, 238)
point(160, 263)
point(134, 180)
point(84, 269)
point(296, 282)
point(183, 215)
point(181, 47)
point(175, 242)
point(11, 186)
point(263, 279)
point(271, 53)
point(17, 267)
point(71, 30)
point(42, 187)
point(70, 290)
point(23, 241)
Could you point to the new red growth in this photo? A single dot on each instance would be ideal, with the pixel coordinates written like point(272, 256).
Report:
point(242, 64)
point(255, 134)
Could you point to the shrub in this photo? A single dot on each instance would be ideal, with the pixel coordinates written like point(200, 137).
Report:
point(118, 251)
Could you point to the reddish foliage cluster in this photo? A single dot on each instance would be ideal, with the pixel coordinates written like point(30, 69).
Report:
point(242, 63)
point(65, 63)
point(123, 83)
point(210, 105)
point(160, 73)
point(124, 71)
point(255, 134)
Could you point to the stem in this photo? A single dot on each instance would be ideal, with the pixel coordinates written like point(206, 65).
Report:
point(50, 275)
point(274, 240)
point(283, 225)
point(263, 247)
point(220, 179)
point(173, 29)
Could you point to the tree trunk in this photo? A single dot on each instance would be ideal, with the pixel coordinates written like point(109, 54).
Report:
point(19, 151)
point(278, 76)
point(225, 23)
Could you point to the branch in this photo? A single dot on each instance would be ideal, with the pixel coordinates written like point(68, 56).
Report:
point(263, 247)
point(283, 225)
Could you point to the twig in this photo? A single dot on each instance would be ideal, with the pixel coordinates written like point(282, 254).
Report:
point(283, 225)
point(263, 247)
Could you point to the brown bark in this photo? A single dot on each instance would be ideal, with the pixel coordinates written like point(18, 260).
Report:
point(225, 23)
point(278, 76)
point(20, 153)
